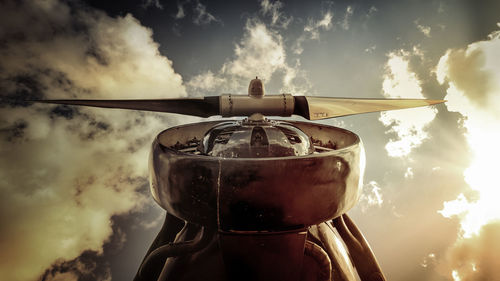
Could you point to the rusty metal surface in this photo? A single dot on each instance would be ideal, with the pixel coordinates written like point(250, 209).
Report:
point(273, 193)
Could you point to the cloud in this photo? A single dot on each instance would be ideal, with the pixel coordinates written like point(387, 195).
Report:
point(371, 49)
point(312, 30)
point(409, 173)
point(203, 17)
point(371, 196)
point(479, 107)
point(365, 16)
point(200, 14)
point(347, 17)
point(325, 24)
point(64, 171)
point(152, 3)
point(206, 82)
point(407, 125)
point(476, 257)
point(261, 52)
point(180, 11)
point(457, 207)
point(426, 30)
point(472, 77)
point(88, 266)
point(278, 18)
point(429, 260)
point(468, 74)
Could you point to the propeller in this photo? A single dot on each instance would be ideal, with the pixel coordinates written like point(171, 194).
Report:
point(202, 107)
point(316, 108)
point(311, 108)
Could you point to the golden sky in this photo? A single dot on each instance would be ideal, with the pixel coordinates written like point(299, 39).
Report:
point(74, 196)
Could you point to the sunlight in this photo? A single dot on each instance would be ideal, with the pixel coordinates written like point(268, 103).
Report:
point(473, 91)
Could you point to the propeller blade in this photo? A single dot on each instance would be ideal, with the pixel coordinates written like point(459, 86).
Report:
point(316, 108)
point(311, 108)
point(202, 107)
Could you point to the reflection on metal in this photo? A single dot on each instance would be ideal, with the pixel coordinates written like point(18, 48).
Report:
point(333, 245)
point(321, 260)
point(258, 199)
point(256, 88)
point(328, 107)
point(361, 254)
point(161, 253)
point(251, 139)
point(256, 193)
point(271, 188)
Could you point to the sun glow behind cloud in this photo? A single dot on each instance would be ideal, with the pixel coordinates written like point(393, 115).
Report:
point(123, 60)
point(473, 77)
point(408, 125)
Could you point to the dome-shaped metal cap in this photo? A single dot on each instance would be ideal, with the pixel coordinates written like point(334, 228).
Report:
point(255, 139)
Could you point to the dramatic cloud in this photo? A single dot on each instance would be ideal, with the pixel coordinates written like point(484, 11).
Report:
point(200, 15)
point(66, 171)
point(407, 127)
point(473, 78)
point(152, 3)
point(347, 17)
point(426, 30)
point(409, 173)
point(261, 53)
point(312, 31)
point(273, 9)
point(371, 196)
point(476, 257)
point(87, 266)
point(180, 11)
point(208, 82)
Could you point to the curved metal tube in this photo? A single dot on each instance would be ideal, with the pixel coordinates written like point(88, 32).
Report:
point(342, 268)
point(361, 254)
point(171, 226)
point(176, 249)
point(321, 257)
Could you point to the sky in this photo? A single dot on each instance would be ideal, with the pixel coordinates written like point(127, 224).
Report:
point(74, 191)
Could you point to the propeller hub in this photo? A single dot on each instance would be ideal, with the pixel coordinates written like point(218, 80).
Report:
point(256, 88)
point(256, 137)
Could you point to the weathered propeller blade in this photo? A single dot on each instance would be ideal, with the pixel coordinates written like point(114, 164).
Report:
point(311, 108)
point(316, 108)
point(202, 107)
